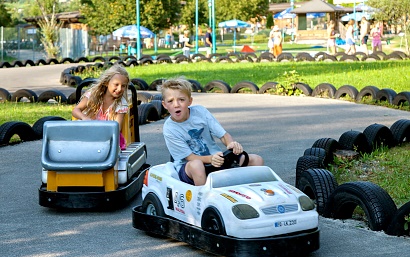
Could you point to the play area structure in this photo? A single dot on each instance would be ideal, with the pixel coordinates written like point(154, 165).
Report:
point(83, 166)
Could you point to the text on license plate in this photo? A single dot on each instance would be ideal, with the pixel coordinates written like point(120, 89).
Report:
point(285, 223)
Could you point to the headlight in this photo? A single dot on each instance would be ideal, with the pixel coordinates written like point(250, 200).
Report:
point(306, 203)
point(244, 212)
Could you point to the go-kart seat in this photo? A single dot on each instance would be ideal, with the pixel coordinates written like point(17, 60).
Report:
point(80, 145)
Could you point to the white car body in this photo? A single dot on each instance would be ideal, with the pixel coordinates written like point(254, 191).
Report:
point(276, 202)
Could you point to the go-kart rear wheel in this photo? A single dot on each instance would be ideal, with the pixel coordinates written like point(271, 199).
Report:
point(152, 205)
point(212, 221)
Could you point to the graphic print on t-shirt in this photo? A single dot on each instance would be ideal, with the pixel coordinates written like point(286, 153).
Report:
point(196, 143)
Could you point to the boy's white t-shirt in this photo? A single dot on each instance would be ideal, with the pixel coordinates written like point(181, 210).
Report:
point(195, 135)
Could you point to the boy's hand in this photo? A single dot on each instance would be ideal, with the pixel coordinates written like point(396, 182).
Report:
point(217, 159)
point(236, 147)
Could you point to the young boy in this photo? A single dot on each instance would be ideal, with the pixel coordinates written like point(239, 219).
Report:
point(189, 132)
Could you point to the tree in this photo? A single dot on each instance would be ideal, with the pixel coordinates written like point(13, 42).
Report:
point(5, 17)
point(395, 12)
point(241, 9)
point(188, 13)
point(269, 21)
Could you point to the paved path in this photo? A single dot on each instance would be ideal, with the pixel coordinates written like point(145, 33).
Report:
point(278, 128)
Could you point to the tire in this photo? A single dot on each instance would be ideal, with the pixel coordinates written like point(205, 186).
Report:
point(115, 58)
point(5, 65)
point(374, 200)
point(318, 184)
point(98, 58)
point(251, 56)
point(143, 97)
point(158, 106)
point(146, 113)
point(401, 131)
point(53, 94)
point(330, 145)
point(4, 95)
point(11, 128)
point(224, 59)
point(354, 141)
point(145, 61)
point(285, 57)
point(152, 205)
point(378, 135)
point(131, 63)
point(386, 95)
point(52, 61)
point(245, 84)
point(329, 58)
point(371, 58)
point(347, 90)
point(81, 59)
point(359, 55)
point(72, 98)
point(200, 58)
point(74, 81)
point(17, 63)
point(267, 87)
point(217, 84)
point(393, 56)
point(140, 84)
point(80, 68)
point(380, 54)
point(212, 221)
point(349, 58)
point(324, 89)
point(40, 62)
point(316, 151)
point(396, 226)
point(304, 57)
point(367, 91)
point(154, 84)
point(128, 58)
point(39, 124)
point(305, 88)
point(182, 58)
point(306, 162)
point(266, 56)
point(164, 59)
point(67, 60)
point(319, 55)
point(27, 93)
point(28, 63)
point(401, 99)
point(196, 86)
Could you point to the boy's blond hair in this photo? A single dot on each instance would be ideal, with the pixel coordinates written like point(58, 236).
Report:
point(180, 84)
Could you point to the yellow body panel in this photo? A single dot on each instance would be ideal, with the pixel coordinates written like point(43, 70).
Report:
point(107, 179)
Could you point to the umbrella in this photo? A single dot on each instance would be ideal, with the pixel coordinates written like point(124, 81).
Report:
point(234, 24)
point(285, 14)
point(131, 31)
point(356, 16)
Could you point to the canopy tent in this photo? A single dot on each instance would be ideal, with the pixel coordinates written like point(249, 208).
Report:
point(131, 31)
point(287, 14)
point(234, 24)
point(318, 6)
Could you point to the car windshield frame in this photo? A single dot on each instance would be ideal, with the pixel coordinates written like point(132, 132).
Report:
point(242, 176)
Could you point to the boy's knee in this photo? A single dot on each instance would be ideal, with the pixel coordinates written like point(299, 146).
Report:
point(255, 160)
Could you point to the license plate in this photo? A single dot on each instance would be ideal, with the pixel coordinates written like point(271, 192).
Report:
point(285, 223)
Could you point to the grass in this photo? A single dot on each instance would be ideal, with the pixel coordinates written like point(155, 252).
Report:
point(387, 168)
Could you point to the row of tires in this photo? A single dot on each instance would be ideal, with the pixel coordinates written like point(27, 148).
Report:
point(131, 61)
point(340, 201)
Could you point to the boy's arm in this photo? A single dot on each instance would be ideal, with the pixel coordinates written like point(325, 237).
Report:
point(231, 144)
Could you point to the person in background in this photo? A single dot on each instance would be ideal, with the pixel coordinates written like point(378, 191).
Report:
point(186, 44)
point(376, 35)
point(276, 37)
point(331, 37)
point(189, 135)
point(168, 40)
point(208, 42)
point(364, 34)
point(350, 44)
point(106, 99)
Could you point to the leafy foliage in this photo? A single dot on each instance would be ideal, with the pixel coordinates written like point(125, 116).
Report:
point(5, 17)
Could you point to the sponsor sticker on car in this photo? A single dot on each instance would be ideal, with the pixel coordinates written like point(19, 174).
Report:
point(285, 223)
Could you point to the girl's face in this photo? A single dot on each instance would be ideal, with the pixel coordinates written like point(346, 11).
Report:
point(117, 85)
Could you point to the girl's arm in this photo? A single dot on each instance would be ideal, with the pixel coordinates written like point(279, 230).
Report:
point(78, 110)
point(120, 118)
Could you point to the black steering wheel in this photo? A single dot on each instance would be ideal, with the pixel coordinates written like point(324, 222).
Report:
point(232, 160)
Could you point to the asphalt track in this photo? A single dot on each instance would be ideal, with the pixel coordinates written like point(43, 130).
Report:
point(278, 128)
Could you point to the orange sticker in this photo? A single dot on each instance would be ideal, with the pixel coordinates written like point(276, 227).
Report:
point(188, 195)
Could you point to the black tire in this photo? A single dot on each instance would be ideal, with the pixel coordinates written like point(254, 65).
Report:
point(40, 62)
point(319, 55)
point(251, 56)
point(74, 81)
point(158, 106)
point(401, 131)
point(268, 86)
point(400, 218)
point(354, 141)
point(196, 86)
point(305, 88)
point(324, 90)
point(28, 63)
point(80, 68)
point(379, 135)
point(402, 54)
point(53, 94)
point(371, 58)
point(212, 221)
point(306, 162)
point(152, 205)
point(200, 58)
point(81, 59)
point(131, 63)
point(72, 98)
point(39, 124)
point(285, 57)
point(11, 128)
point(52, 61)
point(329, 58)
point(224, 59)
point(27, 93)
point(347, 90)
point(381, 54)
point(393, 56)
point(164, 59)
point(115, 58)
point(17, 63)
point(304, 57)
point(374, 200)
point(318, 184)
point(67, 60)
point(217, 84)
point(5, 65)
point(401, 99)
point(107, 65)
point(316, 151)
point(144, 97)
point(128, 58)
point(154, 84)
point(266, 56)
point(330, 145)
point(360, 55)
point(146, 113)
point(386, 95)
point(349, 58)
point(366, 92)
point(140, 84)
point(145, 61)
point(4, 95)
point(182, 58)
point(245, 84)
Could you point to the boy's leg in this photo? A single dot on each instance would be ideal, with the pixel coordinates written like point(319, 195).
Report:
point(196, 171)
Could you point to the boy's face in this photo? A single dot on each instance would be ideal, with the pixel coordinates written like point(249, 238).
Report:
point(177, 102)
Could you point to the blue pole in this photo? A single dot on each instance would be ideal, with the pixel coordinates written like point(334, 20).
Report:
point(155, 43)
point(210, 13)
point(292, 4)
point(213, 28)
point(354, 15)
point(196, 26)
point(138, 31)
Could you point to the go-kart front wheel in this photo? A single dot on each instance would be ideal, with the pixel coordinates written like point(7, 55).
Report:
point(212, 221)
point(152, 205)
